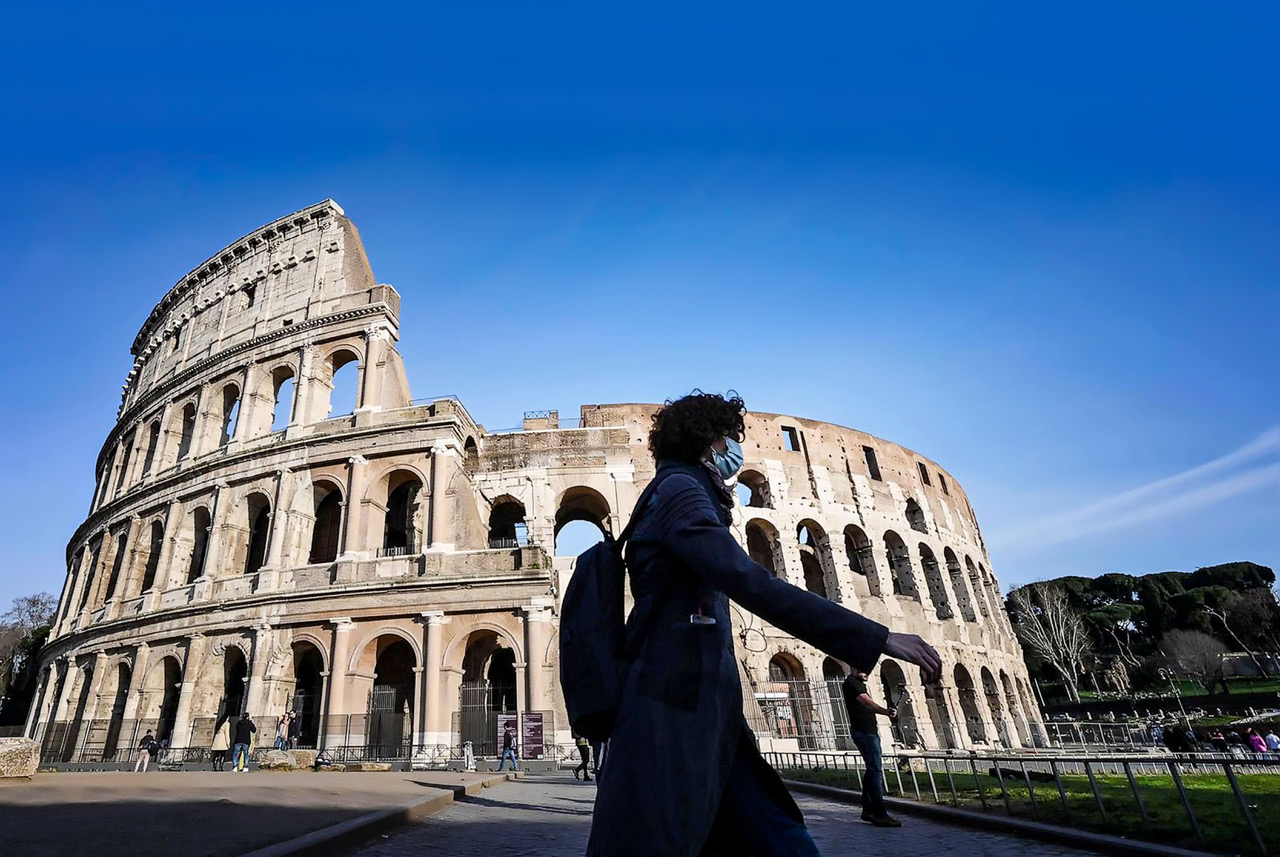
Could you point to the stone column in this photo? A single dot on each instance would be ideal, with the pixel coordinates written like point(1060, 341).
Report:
point(215, 547)
point(166, 571)
point(537, 629)
point(141, 660)
point(130, 574)
point(256, 696)
point(418, 708)
point(444, 462)
point(337, 702)
point(68, 686)
point(843, 573)
point(353, 534)
point(377, 341)
point(304, 387)
point(196, 645)
point(252, 404)
point(37, 701)
point(268, 575)
point(99, 678)
point(433, 653)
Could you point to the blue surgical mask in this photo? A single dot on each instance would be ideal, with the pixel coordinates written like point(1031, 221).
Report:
point(728, 462)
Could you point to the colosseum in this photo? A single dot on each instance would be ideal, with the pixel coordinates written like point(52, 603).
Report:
point(387, 568)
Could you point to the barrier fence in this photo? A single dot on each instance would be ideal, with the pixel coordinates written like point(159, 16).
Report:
point(1160, 797)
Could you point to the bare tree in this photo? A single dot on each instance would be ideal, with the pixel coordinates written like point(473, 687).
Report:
point(1223, 615)
point(1196, 655)
point(1053, 630)
point(27, 614)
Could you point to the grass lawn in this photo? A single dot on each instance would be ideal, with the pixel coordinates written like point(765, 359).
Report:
point(1212, 801)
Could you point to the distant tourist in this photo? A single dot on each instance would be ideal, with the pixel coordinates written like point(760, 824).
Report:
point(509, 749)
point(584, 750)
point(1218, 740)
point(1273, 740)
point(147, 748)
point(221, 744)
point(295, 729)
point(282, 732)
point(866, 737)
point(1256, 741)
point(245, 731)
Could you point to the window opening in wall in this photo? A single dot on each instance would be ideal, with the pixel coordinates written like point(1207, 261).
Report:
point(924, 473)
point(506, 524)
point(328, 525)
point(116, 564)
point(763, 546)
point(399, 533)
point(790, 439)
point(259, 525)
point(91, 570)
point(342, 395)
point(282, 413)
point(153, 442)
point(942, 481)
point(915, 516)
point(153, 556)
point(873, 466)
point(127, 446)
point(753, 490)
point(230, 413)
point(188, 430)
point(174, 340)
point(250, 295)
point(199, 543)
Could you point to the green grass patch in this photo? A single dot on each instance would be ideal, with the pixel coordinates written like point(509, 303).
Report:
point(1221, 824)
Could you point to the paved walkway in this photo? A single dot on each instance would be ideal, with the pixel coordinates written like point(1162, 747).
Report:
point(549, 816)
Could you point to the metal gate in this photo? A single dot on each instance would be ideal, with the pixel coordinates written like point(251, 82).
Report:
point(479, 722)
point(386, 734)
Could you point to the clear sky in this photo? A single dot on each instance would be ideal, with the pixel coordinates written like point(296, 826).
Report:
point(1040, 245)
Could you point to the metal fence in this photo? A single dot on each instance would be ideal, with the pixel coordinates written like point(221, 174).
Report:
point(956, 779)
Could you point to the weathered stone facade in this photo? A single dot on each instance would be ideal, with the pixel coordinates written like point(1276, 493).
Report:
point(390, 571)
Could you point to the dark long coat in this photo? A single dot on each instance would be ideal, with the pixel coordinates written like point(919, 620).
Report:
point(680, 723)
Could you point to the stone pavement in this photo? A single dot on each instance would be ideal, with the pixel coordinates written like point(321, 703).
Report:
point(194, 813)
point(551, 814)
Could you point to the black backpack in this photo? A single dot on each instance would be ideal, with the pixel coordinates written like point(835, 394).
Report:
point(593, 660)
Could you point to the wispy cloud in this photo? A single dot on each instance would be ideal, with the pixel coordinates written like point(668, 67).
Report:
point(1246, 469)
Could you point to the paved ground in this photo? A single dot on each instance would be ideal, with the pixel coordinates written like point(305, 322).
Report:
point(549, 816)
point(192, 814)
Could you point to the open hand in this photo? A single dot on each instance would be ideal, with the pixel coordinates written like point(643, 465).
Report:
point(911, 648)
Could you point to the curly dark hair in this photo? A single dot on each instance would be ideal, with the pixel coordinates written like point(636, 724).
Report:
point(683, 428)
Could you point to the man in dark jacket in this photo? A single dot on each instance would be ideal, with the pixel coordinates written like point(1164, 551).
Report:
point(685, 776)
point(244, 741)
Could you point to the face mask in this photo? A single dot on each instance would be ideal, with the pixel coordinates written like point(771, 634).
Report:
point(728, 462)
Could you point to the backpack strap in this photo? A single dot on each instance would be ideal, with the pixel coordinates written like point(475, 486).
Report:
point(636, 514)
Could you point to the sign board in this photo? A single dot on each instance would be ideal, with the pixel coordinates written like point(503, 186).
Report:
point(531, 746)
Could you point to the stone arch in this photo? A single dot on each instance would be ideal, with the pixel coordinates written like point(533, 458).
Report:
point(183, 426)
point(402, 494)
point(229, 415)
point(1000, 714)
point(284, 395)
point(364, 656)
point(753, 490)
point(326, 520)
point(76, 717)
point(486, 660)
point(507, 528)
point(834, 670)
point(119, 550)
point(969, 705)
point(580, 503)
point(894, 683)
point(161, 689)
point(958, 585)
point(310, 664)
point(794, 717)
point(901, 574)
point(940, 716)
point(933, 581)
point(257, 518)
point(915, 516)
point(979, 591)
point(235, 676)
point(861, 554)
point(155, 547)
point(764, 546)
point(91, 570)
point(815, 559)
point(387, 666)
point(1014, 707)
point(153, 447)
point(470, 454)
point(123, 674)
point(343, 363)
point(196, 541)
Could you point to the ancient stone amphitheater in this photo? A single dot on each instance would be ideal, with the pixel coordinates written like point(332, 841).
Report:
point(386, 566)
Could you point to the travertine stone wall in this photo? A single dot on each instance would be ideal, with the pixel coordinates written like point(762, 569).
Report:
point(372, 555)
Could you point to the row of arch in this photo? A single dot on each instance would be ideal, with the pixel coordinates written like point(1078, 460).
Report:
point(181, 430)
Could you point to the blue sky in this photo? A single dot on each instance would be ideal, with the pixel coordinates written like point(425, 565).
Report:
point(1038, 245)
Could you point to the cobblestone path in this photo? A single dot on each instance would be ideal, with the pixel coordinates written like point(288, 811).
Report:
point(550, 815)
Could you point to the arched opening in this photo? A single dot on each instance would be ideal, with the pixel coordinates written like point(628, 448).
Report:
point(906, 729)
point(861, 554)
point(126, 448)
point(399, 533)
point(199, 536)
point(230, 413)
point(995, 705)
point(91, 570)
point(327, 528)
point(901, 575)
point(753, 490)
point(1033, 713)
point(581, 520)
point(259, 519)
point(507, 527)
point(969, 705)
point(282, 386)
point(1015, 709)
point(915, 516)
point(235, 675)
point(391, 704)
point(470, 455)
point(308, 691)
point(789, 701)
point(488, 689)
point(153, 444)
point(124, 675)
point(833, 676)
point(979, 591)
point(155, 546)
point(940, 716)
point(344, 373)
point(170, 673)
point(72, 742)
point(933, 580)
point(833, 670)
point(958, 584)
point(764, 546)
point(815, 558)
point(188, 430)
point(117, 562)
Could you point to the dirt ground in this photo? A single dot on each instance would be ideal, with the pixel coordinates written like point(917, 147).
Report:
point(194, 814)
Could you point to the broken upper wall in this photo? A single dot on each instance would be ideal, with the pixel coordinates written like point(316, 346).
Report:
point(304, 266)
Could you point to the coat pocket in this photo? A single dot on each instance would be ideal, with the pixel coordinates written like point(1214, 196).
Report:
point(672, 668)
